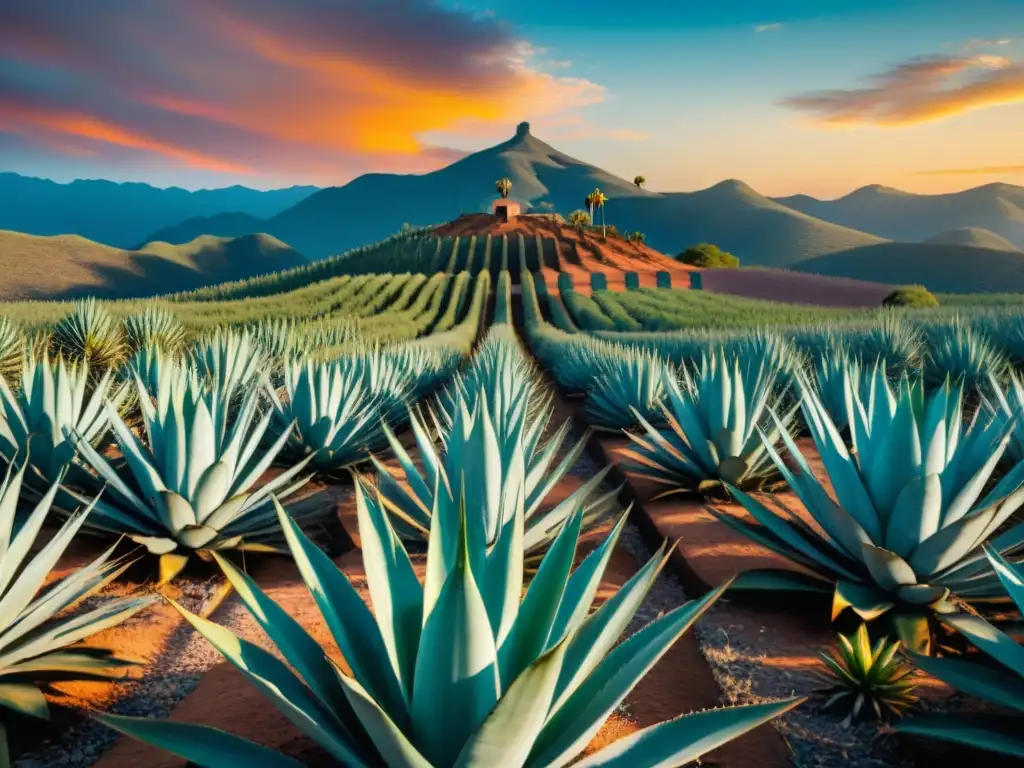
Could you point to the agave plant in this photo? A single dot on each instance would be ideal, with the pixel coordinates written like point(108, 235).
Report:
point(891, 338)
point(329, 414)
point(231, 360)
point(462, 669)
point(959, 351)
point(39, 628)
point(91, 334)
point(1001, 685)
point(868, 681)
point(714, 415)
point(631, 390)
point(902, 538)
point(54, 397)
point(474, 447)
point(836, 374)
point(154, 327)
point(1007, 407)
point(190, 486)
point(12, 350)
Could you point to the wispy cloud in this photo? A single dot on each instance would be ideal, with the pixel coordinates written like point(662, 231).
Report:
point(919, 90)
point(976, 43)
point(267, 87)
point(983, 170)
point(773, 27)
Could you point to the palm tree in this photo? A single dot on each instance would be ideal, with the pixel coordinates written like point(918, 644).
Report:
point(504, 186)
point(599, 200)
point(579, 220)
point(639, 181)
point(589, 201)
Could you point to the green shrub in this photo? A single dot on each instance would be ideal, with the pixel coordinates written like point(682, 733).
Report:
point(911, 296)
point(708, 256)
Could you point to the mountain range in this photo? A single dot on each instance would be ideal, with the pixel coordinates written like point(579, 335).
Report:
point(974, 227)
point(69, 266)
point(123, 215)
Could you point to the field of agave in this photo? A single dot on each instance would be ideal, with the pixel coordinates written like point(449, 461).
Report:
point(878, 458)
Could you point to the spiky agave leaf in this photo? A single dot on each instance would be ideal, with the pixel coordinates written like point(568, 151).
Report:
point(631, 390)
point(902, 538)
point(474, 445)
point(332, 413)
point(1001, 683)
point(959, 351)
point(836, 374)
point(231, 360)
point(89, 333)
point(1006, 406)
point(714, 416)
point(868, 681)
point(39, 631)
point(53, 397)
point(462, 669)
point(154, 327)
point(12, 350)
point(189, 483)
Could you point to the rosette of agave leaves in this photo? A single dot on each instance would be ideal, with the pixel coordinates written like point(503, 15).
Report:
point(630, 389)
point(474, 447)
point(55, 397)
point(467, 668)
point(714, 414)
point(188, 483)
point(40, 629)
point(902, 536)
point(1000, 682)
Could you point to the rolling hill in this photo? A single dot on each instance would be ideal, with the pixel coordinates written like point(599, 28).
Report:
point(122, 215)
point(69, 266)
point(941, 268)
point(897, 215)
point(731, 214)
point(976, 238)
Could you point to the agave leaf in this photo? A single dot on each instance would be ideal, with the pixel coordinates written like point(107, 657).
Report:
point(993, 685)
point(996, 644)
point(889, 570)
point(866, 602)
point(989, 732)
point(687, 738)
point(200, 744)
point(24, 698)
point(916, 515)
point(780, 579)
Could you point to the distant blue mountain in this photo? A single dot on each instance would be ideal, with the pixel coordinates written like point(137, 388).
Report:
point(122, 215)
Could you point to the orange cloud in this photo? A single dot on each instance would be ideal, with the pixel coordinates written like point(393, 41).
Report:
point(918, 91)
point(279, 87)
point(83, 126)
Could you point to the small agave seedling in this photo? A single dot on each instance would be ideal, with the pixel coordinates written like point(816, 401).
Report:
point(902, 537)
point(474, 447)
point(462, 669)
point(714, 414)
point(630, 391)
point(329, 414)
point(54, 397)
point(39, 628)
point(90, 334)
point(190, 485)
point(1001, 684)
point(868, 681)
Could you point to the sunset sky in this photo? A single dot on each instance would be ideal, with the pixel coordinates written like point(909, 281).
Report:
point(789, 96)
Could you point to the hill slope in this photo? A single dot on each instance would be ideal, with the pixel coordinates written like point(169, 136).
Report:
point(122, 215)
point(943, 268)
point(897, 215)
point(69, 266)
point(974, 237)
point(756, 229)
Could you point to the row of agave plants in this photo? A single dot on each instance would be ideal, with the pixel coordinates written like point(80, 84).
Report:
point(918, 536)
point(496, 658)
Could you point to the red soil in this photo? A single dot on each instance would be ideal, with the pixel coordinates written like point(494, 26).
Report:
point(579, 255)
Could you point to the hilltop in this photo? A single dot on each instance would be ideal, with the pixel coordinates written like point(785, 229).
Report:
point(69, 266)
point(731, 214)
point(122, 215)
point(897, 215)
point(974, 237)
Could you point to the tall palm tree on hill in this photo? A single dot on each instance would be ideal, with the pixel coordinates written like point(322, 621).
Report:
point(504, 186)
point(599, 199)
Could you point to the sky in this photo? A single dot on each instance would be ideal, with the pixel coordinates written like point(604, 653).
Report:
point(790, 96)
